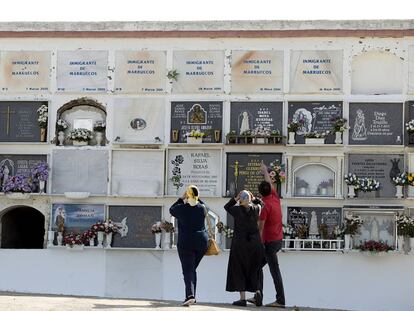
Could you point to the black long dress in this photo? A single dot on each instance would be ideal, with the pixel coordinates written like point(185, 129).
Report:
point(246, 252)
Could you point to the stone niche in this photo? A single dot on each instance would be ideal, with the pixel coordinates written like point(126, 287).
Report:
point(80, 171)
point(377, 72)
point(82, 113)
point(138, 173)
point(139, 120)
point(314, 176)
point(410, 160)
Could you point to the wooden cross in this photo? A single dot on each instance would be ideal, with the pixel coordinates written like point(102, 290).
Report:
point(7, 113)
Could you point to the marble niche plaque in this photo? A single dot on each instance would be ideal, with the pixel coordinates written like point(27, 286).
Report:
point(257, 72)
point(82, 71)
point(203, 116)
point(135, 223)
point(139, 120)
point(25, 71)
point(18, 121)
point(376, 123)
point(256, 115)
point(20, 163)
point(411, 69)
point(198, 71)
point(76, 218)
point(201, 167)
point(140, 71)
point(80, 171)
point(316, 71)
point(381, 167)
point(316, 116)
point(137, 173)
point(243, 171)
point(313, 217)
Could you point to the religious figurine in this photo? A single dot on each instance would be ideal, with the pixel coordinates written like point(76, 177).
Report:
point(360, 131)
point(6, 173)
point(313, 226)
point(197, 115)
point(395, 170)
point(245, 122)
point(375, 236)
point(60, 219)
point(304, 116)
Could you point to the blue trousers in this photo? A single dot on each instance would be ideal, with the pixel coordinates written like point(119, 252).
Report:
point(190, 259)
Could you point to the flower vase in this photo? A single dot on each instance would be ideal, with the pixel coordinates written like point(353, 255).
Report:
point(157, 240)
point(291, 140)
point(50, 238)
point(348, 242)
point(400, 243)
point(108, 239)
point(59, 238)
point(351, 191)
point(324, 191)
point(166, 244)
point(399, 192)
point(80, 143)
point(219, 239)
point(42, 184)
point(338, 138)
point(412, 244)
point(287, 242)
point(92, 242)
point(98, 138)
point(42, 134)
point(297, 243)
point(194, 140)
point(100, 235)
point(61, 137)
point(174, 136)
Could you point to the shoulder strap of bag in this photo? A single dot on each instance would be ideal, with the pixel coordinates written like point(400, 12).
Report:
point(209, 230)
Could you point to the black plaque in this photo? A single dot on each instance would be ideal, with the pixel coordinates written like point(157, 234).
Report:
point(243, 171)
point(18, 121)
point(139, 220)
point(206, 117)
point(381, 167)
point(317, 117)
point(254, 115)
point(376, 123)
point(409, 115)
point(331, 216)
point(21, 164)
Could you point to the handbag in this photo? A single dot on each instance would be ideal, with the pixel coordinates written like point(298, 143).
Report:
point(212, 247)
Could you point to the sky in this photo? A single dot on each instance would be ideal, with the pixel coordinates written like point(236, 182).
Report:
point(186, 10)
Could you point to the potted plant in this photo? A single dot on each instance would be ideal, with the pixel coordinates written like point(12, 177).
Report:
point(246, 137)
point(403, 229)
point(110, 229)
point(80, 136)
point(315, 138)
point(42, 117)
point(73, 241)
point(89, 236)
point(275, 137)
point(99, 129)
point(400, 181)
point(99, 229)
point(61, 127)
point(338, 127)
point(353, 184)
point(40, 174)
point(18, 187)
point(351, 227)
point(301, 233)
point(368, 185)
point(292, 128)
point(375, 247)
point(409, 126)
point(156, 231)
point(195, 137)
point(231, 137)
point(287, 234)
point(168, 229)
point(260, 134)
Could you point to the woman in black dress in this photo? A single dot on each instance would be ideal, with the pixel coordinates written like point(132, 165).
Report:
point(246, 252)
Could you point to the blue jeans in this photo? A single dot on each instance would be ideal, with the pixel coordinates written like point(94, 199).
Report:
point(190, 259)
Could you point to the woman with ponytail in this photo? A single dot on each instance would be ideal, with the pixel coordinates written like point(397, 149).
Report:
point(192, 238)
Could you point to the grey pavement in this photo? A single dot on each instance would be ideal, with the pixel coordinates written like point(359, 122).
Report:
point(33, 302)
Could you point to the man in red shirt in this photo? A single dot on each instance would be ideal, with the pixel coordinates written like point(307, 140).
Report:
point(271, 232)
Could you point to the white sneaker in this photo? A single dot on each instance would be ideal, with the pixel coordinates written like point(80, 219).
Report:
point(189, 301)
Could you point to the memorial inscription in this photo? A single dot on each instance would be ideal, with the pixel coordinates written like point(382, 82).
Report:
point(313, 217)
point(19, 163)
point(376, 123)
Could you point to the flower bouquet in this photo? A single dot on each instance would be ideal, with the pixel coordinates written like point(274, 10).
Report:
point(71, 239)
point(156, 228)
point(80, 135)
point(368, 185)
point(315, 137)
point(339, 124)
point(352, 224)
point(277, 172)
point(403, 224)
point(90, 236)
point(42, 113)
point(294, 126)
point(99, 126)
point(61, 125)
point(374, 247)
point(409, 127)
point(195, 137)
point(110, 227)
point(18, 183)
point(288, 230)
point(167, 226)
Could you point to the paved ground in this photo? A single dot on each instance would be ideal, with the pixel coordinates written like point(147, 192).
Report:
point(30, 302)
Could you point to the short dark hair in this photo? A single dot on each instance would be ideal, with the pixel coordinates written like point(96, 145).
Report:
point(265, 188)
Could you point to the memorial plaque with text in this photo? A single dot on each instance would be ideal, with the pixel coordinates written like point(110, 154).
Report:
point(243, 171)
point(376, 123)
point(25, 71)
point(206, 117)
point(313, 217)
point(316, 117)
point(199, 71)
point(140, 71)
point(382, 167)
point(257, 72)
point(18, 121)
point(135, 223)
point(20, 163)
point(316, 72)
point(201, 167)
point(409, 115)
point(82, 71)
point(80, 171)
point(256, 116)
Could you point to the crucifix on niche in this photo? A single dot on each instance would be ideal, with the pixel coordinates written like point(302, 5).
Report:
point(6, 114)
